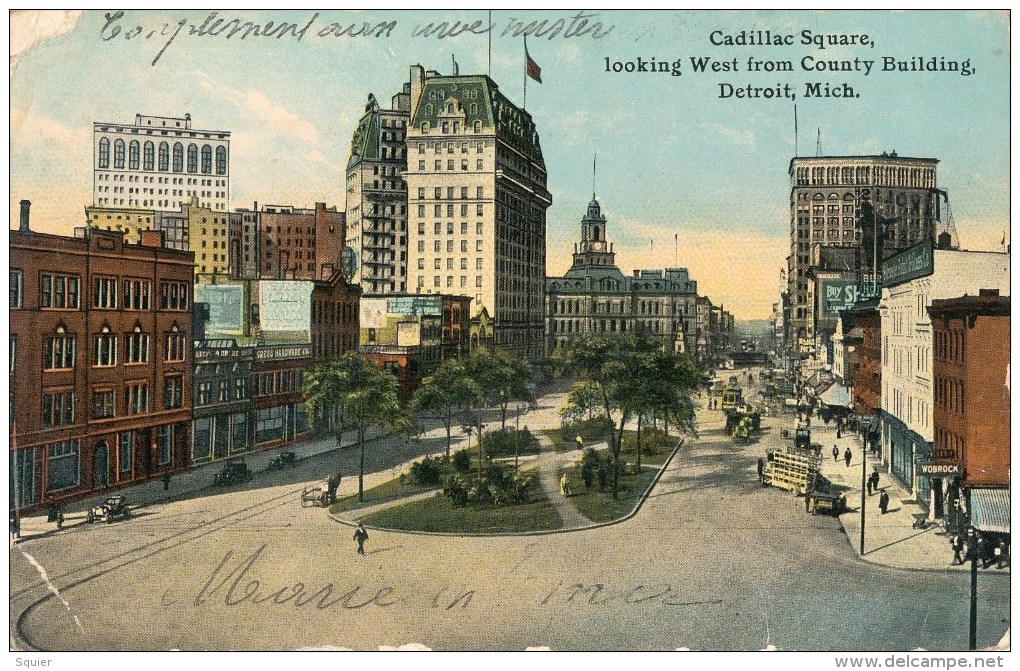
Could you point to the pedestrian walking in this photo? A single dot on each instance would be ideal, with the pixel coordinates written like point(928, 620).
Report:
point(1002, 554)
point(166, 482)
point(761, 470)
point(874, 476)
point(564, 485)
point(360, 536)
point(835, 453)
point(957, 544)
point(869, 485)
point(579, 441)
point(883, 502)
point(847, 456)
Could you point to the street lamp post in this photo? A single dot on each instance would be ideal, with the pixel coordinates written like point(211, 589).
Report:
point(973, 596)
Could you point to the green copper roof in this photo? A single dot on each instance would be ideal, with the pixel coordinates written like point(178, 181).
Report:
point(481, 101)
point(367, 138)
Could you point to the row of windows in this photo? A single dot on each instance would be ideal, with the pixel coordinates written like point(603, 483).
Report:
point(58, 407)
point(144, 156)
point(950, 394)
point(437, 246)
point(225, 390)
point(63, 459)
point(867, 175)
point(438, 263)
point(437, 281)
point(62, 292)
point(949, 346)
point(60, 350)
point(450, 147)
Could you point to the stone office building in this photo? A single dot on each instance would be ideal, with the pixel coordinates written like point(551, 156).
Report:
point(100, 362)
point(842, 201)
point(221, 398)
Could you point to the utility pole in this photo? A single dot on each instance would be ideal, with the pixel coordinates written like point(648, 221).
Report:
point(864, 497)
point(973, 595)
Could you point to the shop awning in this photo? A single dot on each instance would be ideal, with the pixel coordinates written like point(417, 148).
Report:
point(989, 509)
point(836, 395)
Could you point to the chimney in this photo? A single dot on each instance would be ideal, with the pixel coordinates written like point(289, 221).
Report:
point(151, 238)
point(417, 84)
point(25, 205)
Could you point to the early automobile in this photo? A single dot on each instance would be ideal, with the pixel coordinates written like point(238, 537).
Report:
point(111, 508)
point(232, 473)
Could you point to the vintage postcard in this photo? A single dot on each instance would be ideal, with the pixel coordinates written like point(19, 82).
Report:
point(506, 330)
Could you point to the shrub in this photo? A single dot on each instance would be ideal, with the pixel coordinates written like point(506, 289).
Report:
point(427, 472)
point(506, 442)
point(501, 486)
point(653, 441)
point(589, 429)
point(462, 461)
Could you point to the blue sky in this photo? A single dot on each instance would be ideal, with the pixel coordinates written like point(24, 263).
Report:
point(685, 178)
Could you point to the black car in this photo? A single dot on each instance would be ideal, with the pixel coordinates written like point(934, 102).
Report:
point(233, 472)
point(111, 508)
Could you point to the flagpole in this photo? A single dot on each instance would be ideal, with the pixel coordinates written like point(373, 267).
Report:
point(490, 44)
point(524, 106)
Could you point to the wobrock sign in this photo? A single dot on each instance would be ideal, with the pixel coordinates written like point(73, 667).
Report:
point(938, 470)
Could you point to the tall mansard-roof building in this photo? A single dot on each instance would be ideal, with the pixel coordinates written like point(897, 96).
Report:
point(477, 201)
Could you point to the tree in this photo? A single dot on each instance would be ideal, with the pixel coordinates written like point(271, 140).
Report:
point(449, 389)
point(632, 376)
point(503, 378)
point(361, 392)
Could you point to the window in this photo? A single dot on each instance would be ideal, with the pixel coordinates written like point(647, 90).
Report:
point(57, 409)
point(17, 288)
point(449, 245)
point(148, 156)
point(421, 192)
point(125, 449)
point(438, 263)
point(62, 464)
point(463, 264)
point(173, 346)
point(435, 280)
point(137, 350)
point(206, 159)
point(118, 154)
point(13, 353)
point(137, 294)
point(192, 158)
point(478, 245)
point(133, 155)
point(105, 350)
point(449, 280)
point(478, 164)
point(240, 388)
point(478, 280)
point(438, 228)
point(203, 394)
point(173, 391)
point(164, 156)
point(104, 152)
point(59, 291)
point(478, 264)
point(479, 192)
point(59, 351)
point(104, 292)
point(173, 295)
point(178, 157)
point(437, 246)
point(221, 160)
point(224, 391)
point(463, 245)
point(421, 245)
point(164, 445)
point(104, 403)
point(136, 398)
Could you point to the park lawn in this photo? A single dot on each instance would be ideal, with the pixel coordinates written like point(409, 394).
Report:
point(387, 491)
point(438, 514)
point(600, 506)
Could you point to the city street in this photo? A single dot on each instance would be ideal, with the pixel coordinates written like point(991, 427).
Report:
point(712, 561)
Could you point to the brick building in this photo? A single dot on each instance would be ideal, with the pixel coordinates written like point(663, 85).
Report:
point(286, 242)
point(970, 343)
point(100, 346)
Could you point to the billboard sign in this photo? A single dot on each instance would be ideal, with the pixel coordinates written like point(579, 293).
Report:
point(838, 295)
point(226, 305)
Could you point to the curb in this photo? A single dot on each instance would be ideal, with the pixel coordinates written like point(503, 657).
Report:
point(541, 532)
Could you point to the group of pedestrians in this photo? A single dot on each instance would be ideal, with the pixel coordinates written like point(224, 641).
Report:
point(971, 545)
point(872, 481)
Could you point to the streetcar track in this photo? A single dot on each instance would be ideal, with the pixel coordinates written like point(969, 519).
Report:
point(19, 624)
point(139, 548)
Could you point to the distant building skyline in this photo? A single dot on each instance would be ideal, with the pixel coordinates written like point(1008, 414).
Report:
point(701, 184)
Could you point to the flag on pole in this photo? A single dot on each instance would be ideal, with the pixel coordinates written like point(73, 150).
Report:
point(534, 71)
point(1003, 243)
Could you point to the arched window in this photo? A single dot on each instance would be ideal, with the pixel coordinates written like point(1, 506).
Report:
point(595, 235)
point(206, 159)
point(178, 157)
point(221, 160)
point(164, 156)
point(478, 126)
point(118, 154)
point(104, 152)
point(133, 155)
point(424, 127)
point(147, 156)
point(192, 158)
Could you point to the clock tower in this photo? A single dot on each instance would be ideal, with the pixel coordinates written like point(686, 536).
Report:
point(594, 249)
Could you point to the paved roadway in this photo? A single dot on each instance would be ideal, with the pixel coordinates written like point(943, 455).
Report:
point(711, 562)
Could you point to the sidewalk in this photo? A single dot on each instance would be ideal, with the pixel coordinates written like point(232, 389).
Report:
point(195, 480)
point(890, 539)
